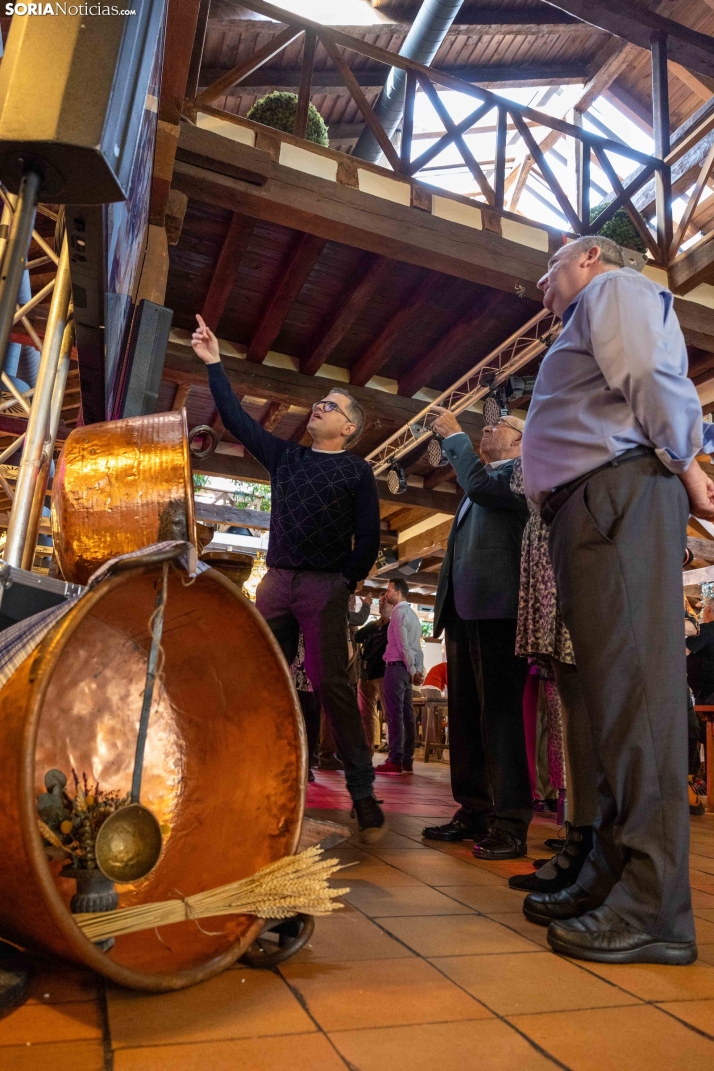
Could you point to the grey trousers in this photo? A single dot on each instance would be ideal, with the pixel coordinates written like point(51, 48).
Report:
point(617, 547)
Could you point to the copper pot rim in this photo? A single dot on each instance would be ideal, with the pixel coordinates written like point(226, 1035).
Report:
point(46, 657)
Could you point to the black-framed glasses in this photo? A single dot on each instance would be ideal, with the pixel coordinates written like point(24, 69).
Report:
point(329, 406)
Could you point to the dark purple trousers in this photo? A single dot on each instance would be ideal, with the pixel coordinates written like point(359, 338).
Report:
point(295, 599)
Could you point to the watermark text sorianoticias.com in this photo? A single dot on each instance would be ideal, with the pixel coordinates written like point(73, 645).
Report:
point(66, 9)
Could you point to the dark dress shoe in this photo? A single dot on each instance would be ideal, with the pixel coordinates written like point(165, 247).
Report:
point(500, 845)
point(562, 870)
point(455, 830)
point(570, 903)
point(602, 936)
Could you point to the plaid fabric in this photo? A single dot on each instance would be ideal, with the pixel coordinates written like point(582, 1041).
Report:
point(21, 639)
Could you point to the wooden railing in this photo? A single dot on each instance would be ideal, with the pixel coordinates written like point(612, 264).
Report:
point(508, 115)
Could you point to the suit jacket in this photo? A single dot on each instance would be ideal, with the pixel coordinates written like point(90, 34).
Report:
point(482, 566)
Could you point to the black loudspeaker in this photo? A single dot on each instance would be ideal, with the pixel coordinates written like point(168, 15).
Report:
point(72, 95)
point(139, 387)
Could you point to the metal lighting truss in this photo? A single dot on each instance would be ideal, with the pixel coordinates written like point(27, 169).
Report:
point(520, 348)
point(41, 404)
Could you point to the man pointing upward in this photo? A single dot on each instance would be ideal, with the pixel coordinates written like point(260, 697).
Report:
point(324, 538)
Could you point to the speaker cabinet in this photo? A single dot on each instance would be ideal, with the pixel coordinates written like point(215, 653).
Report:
point(72, 96)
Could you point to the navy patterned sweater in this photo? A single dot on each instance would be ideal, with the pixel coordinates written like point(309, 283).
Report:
point(325, 508)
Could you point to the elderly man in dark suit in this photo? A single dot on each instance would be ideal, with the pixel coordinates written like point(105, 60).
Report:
point(477, 604)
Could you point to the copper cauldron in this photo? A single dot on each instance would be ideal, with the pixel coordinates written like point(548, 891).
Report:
point(118, 487)
point(224, 770)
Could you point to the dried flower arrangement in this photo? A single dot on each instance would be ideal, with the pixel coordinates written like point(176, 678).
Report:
point(70, 824)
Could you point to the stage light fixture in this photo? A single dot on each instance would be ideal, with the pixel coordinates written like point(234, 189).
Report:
point(397, 480)
point(435, 453)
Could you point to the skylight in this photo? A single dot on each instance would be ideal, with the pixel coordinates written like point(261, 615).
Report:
point(336, 12)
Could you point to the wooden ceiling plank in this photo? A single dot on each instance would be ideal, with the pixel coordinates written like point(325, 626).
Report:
point(227, 267)
point(438, 356)
point(349, 305)
point(378, 352)
point(302, 259)
point(636, 24)
point(252, 63)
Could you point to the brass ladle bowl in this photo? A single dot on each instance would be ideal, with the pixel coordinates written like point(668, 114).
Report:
point(128, 844)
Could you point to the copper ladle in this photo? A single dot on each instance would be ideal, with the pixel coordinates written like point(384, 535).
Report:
point(128, 844)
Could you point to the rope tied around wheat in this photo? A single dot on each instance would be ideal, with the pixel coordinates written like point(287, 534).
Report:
point(294, 885)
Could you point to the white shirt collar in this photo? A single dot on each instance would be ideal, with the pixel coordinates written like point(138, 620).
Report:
point(316, 450)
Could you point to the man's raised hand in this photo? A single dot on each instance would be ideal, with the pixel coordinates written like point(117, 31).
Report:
point(205, 343)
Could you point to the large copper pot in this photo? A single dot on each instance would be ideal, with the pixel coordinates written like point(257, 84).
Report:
point(224, 771)
point(118, 487)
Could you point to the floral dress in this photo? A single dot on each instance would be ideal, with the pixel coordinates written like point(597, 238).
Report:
point(541, 635)
point(541, 630)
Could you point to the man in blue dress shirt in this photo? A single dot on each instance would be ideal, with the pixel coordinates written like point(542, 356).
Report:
point(609, 451)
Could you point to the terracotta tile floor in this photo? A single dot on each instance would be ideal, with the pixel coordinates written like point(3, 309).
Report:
point(430, 967)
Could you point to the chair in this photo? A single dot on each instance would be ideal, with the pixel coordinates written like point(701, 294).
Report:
point(433, 702)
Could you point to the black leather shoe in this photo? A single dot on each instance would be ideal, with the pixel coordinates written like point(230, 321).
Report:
point(570, 903)
point(455, 830)
point(602, 936)
point(499, 845)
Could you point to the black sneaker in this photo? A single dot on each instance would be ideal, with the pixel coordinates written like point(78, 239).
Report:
point(370, 819)
point(500, 845)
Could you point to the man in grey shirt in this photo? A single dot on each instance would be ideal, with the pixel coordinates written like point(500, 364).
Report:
point(609, 451)
point(404, 666)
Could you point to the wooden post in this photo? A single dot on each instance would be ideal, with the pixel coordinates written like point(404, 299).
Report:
point(660, 123)
point(499, 178)
point(303, 104)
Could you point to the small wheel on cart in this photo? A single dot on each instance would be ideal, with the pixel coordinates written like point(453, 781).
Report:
point(279, 941)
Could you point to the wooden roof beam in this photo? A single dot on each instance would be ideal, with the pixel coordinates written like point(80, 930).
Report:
point(349, 305)
point(285, 385)
point(377, 354)
point(267, 78)
point(302, 259)
point(227, 267)
point(636, 24)
point(274, 414)
point(247, 468)
point(441, 355)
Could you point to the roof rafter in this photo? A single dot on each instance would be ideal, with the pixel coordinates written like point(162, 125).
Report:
point(378, 352)
point(227, 267)
point(302, 259)
point(348, 307)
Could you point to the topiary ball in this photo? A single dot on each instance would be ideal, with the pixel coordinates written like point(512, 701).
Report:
point(279, 110)
point(620, 228)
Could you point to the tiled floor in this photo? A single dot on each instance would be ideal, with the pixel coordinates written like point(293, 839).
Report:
point(430, 965)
